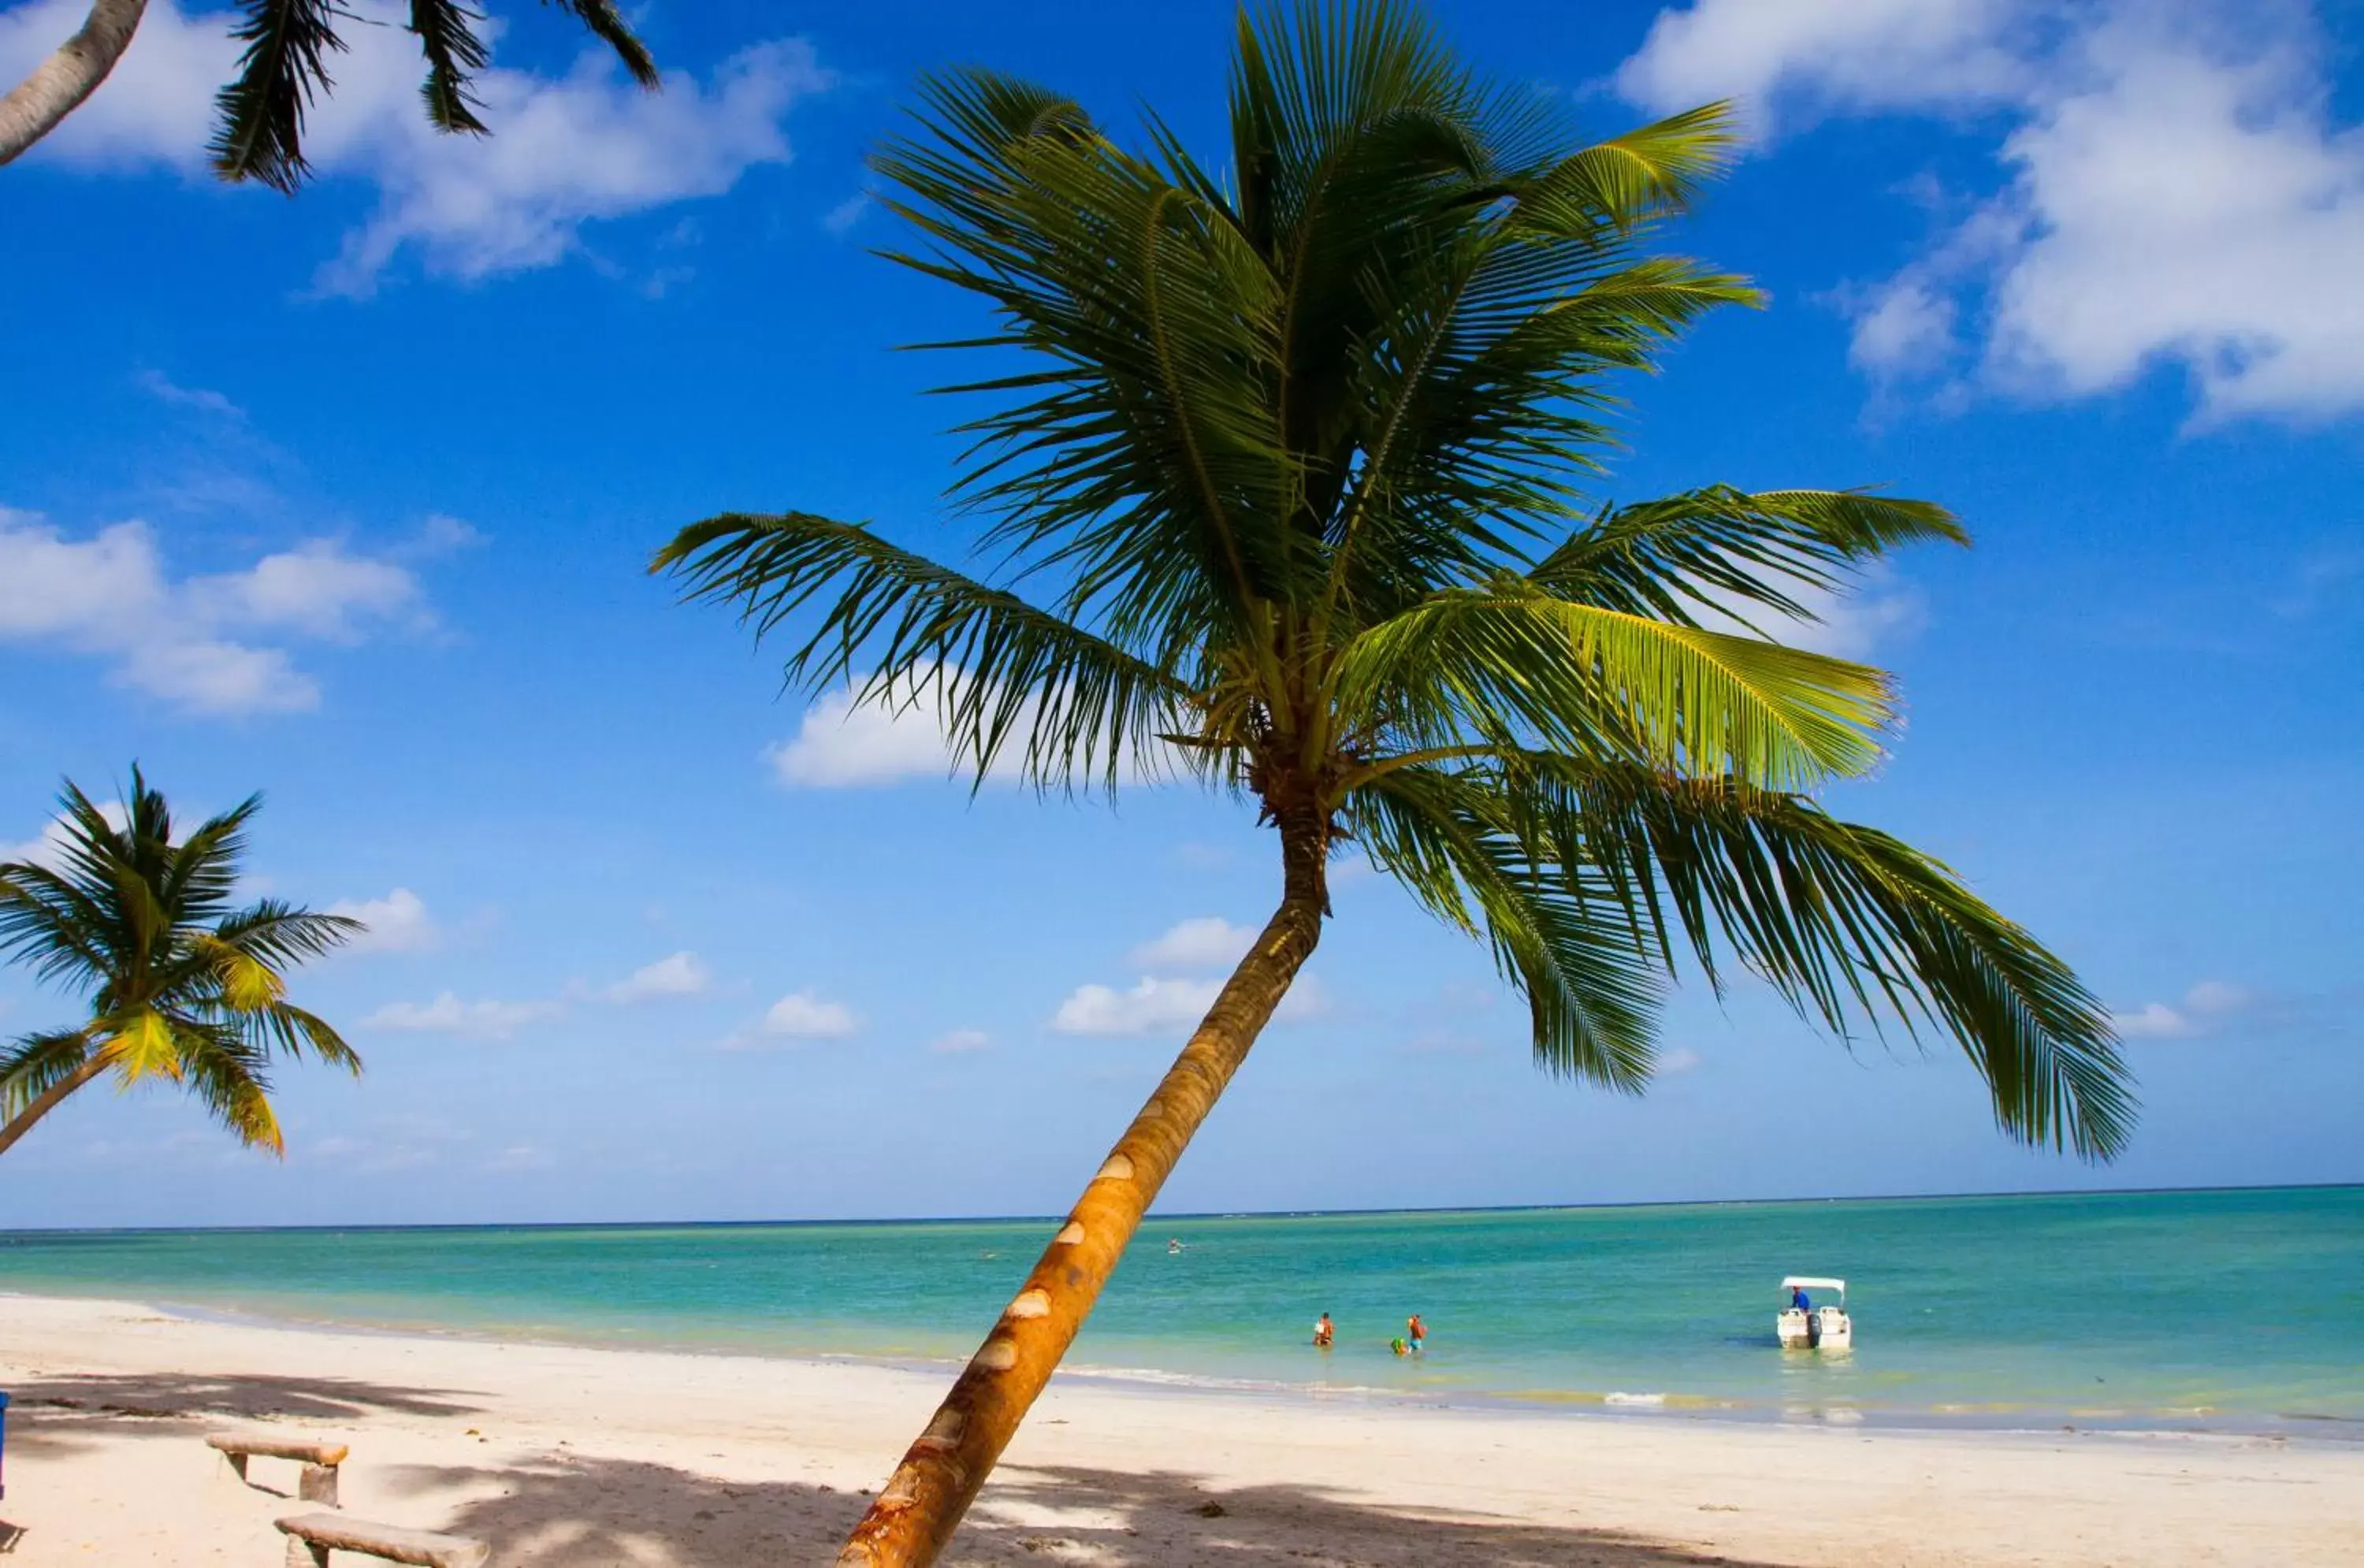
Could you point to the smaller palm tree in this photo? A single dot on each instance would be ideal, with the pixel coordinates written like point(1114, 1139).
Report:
point(181, 985)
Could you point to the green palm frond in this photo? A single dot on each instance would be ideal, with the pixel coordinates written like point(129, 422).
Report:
point(454, 52)
point(199, 876)
point(34, 1064)
point(53, 924)
point(1505, 662)
point(1591, 987)
point(1167, 475)
point(144, 1042)
point(1850, 926)
point(907, 630)
point(1623, 185)
point(293, 1031)
point(230, 1080)
point(607, 23)
point(283, 70)
point(1727, 551)
point(282, 935)
point(284, 67)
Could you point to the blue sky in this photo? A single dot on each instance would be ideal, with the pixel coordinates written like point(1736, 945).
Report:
point(346, 498)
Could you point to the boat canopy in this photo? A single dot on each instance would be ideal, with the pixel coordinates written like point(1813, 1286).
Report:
point(1807, 1282)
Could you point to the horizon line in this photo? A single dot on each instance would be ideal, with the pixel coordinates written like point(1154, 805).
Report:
point(1191, 1215)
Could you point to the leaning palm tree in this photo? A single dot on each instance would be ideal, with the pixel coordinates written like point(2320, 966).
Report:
point(181, 985)
point(1296, 462)
point(288, 44)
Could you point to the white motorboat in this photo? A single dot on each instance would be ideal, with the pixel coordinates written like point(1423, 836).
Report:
point(1823, 1328)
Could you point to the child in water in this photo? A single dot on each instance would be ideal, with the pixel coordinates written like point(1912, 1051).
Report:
point(1398, 1346)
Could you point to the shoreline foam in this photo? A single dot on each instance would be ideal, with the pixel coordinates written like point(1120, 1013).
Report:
point(1584, 1404)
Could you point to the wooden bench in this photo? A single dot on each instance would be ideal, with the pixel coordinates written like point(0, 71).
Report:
point(319, 1459)
point(311, 1537)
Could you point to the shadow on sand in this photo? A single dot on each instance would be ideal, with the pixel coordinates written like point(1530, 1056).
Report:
point(48, 1415)
point(588, 1513)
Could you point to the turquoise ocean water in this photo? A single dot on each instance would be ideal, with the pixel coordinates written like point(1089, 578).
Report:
point(2235, 1309)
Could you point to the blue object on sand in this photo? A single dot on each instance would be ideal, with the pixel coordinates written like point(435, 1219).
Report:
point(4, 1442)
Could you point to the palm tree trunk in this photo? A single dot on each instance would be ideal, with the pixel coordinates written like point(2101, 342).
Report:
point(915, 1512)
point(49, 1100)
point(59, 85)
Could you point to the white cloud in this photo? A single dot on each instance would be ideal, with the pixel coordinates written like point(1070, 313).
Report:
point(957, 1041)
point(1207, 941)
point(397, 923)
point(110, 597)
point(2192, 209)
point(1855, 54)
point(205, 400)
point(316, 589)
point(803, 1015)
point(521, 1157)
point(51, 585)
point(841, 218)
point(396, 1143)
point(837, 745)
point(2215, 998)
point(442, 534)
point(565, 150)
point(1154, 1006)
point(449, 1015)
point(1903, 328)
point(1678, 1061)
point(2152, 1021)
point(1168, 1006)
point(681, 974)
point(1853, 621)
point(46, 847)
point(2174, 191)
point(2204, 1008)
point(562, 153)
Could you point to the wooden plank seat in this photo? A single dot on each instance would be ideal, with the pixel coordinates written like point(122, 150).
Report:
point(319, 1459)
point(311, 1537)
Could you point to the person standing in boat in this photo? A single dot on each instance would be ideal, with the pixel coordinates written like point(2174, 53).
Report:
point(1800, 1300)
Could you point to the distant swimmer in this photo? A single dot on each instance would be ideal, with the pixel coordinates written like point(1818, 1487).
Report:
point(1323, 1332)
point(1173, 1245)
point(1416, 1331)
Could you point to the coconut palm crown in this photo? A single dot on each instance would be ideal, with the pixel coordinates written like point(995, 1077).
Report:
point(181, 985)
point(1286, 473)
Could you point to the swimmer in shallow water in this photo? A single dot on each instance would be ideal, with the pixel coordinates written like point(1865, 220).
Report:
point(1323, 1332)
point(1398, 1346)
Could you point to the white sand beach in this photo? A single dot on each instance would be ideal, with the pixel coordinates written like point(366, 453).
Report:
point(561, 1455)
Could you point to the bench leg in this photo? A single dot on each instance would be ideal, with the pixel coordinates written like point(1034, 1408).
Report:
point(302, 1554)
point(237, 1463)
point(318, 1485)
